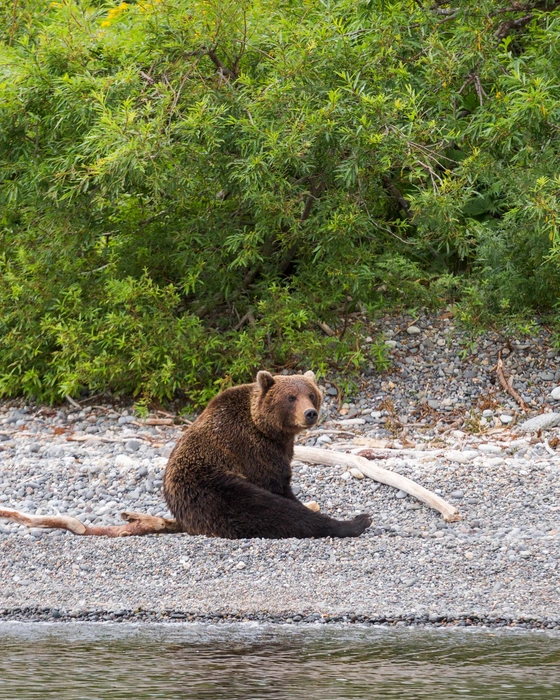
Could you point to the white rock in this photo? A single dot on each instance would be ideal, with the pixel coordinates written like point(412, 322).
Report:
point(542, 422)
point(494, 462)
point(490, 449)
point(346, 476)
point(461, 457)
point(124, 462)
point(350, 421)
point(555, 393)
point(413, 330)
point(505, 418)
point(356, 473)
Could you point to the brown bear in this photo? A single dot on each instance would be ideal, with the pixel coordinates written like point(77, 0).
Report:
point(229, 475)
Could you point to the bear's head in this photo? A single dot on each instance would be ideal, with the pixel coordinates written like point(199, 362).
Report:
point(285, 404)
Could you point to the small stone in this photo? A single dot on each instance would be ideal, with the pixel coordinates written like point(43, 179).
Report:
point(490, 449)
point(240, 565)
point(401, 494)
point(432, 403)
point(356, 473)
point(542, 422)
point(332, 391)
point(133, 445)
point(408, 582)
point(488, 413)
point(555, 393)
point(346, 476)
point(413, 330)
point(124, 462)
point(505, 419)
point(463, 457)
point(457, 494)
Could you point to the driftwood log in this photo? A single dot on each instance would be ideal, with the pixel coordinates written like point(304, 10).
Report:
point(315, 455)
point(140, 524)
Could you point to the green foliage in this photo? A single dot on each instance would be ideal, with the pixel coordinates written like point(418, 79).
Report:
point(188, 187)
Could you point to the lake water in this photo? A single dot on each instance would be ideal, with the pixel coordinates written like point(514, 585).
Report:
point(249, 662)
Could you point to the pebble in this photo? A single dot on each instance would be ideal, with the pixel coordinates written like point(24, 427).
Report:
point(555, 393)
point(413, 330)
point(124, 461)
point(490, 449)
point(356, 473)
point(463, 457)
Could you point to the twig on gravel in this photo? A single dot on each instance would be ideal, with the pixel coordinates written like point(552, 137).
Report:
point(72, 402)
point(86, 438)
point(506, 385)
point(454, 426)
point(314, 455)
point(136, 524)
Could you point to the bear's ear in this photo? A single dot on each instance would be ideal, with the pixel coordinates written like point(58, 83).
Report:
point(310, 375)
point(265, 380)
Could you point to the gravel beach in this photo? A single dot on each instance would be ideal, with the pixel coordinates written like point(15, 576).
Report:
point(438, 416)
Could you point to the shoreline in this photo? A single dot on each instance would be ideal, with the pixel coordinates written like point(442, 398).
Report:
point(55, 616)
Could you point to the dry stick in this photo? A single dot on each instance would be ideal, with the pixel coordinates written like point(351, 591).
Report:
point(71, 401)
point(505, 384)
point(136, 524)
point(315, 455)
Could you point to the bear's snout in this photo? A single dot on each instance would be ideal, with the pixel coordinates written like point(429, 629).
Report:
point(310, 416)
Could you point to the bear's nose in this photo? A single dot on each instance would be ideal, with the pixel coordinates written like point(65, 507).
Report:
point(310, 415)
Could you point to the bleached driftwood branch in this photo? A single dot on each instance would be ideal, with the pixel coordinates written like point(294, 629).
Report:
point(315, 455)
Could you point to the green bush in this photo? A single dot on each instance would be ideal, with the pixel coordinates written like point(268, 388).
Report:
point(188, 187)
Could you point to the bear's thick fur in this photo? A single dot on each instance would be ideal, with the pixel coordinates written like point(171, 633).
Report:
point(229, 475)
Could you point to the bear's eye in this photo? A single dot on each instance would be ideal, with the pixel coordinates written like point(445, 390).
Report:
point(292, 398)
point(312, 397)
